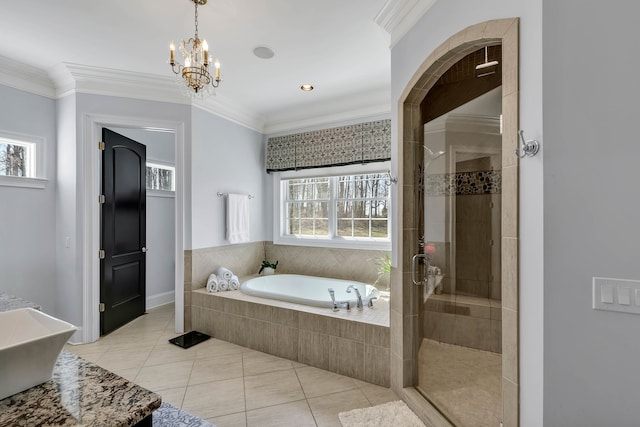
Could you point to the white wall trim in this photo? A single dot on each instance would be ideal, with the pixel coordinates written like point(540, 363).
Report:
point(76, 78)
point(25, 77)
point(157, 300)
point(327, 120)
point(90, 189)
point(397, 17)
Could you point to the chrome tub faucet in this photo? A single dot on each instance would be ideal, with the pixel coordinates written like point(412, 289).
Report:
point(359, 303)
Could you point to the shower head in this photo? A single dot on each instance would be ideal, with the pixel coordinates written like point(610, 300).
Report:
point(487, 67)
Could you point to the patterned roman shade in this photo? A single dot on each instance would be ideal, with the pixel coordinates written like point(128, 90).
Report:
point(345, 145)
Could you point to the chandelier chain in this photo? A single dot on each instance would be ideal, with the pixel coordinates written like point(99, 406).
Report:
point(196, 18)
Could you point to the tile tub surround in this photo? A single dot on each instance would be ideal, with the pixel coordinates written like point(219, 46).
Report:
point(337, 263)
point(351, 343)
point(80, 393)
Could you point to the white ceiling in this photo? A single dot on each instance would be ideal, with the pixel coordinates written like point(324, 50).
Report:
point(333, 44)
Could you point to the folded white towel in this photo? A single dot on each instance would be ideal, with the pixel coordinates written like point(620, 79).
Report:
point(234, 283)
point(223, 284)
point(224, 273)
point(212, 283)
point(237, 218)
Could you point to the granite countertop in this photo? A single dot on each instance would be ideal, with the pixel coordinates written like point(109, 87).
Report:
point(80, 393)
point(11, 302)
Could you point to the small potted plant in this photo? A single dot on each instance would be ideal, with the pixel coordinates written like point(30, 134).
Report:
point(267, 268)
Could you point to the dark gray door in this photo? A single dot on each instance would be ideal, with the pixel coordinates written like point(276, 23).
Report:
point(123, 231)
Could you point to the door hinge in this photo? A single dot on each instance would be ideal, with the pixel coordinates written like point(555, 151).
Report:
point(491, 242)
point(101, 254)
point(101, 199)
point(101, 307)
point(101, 146)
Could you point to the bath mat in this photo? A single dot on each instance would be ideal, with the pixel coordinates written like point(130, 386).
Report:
point(169, 416)
point(189, 339)
point(388, 414)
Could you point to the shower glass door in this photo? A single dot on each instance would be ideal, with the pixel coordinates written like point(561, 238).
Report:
point(459, 342)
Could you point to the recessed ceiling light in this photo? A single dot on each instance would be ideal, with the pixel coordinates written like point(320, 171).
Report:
point(264, 52)
point(306, 88)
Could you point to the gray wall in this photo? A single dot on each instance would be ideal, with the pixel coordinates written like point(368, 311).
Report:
point(227, 158)
point(591, 205)
point(27, 216)
point(443, 20)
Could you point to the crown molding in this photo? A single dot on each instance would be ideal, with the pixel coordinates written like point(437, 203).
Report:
point(397, 17)
point(323, 120)
point(25, 77)
point(75, 78)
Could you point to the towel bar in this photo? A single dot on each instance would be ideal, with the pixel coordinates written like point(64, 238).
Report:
point(250, 196)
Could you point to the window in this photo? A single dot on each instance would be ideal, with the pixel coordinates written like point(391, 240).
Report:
point(21, 160)
point(350, 210)
point(160, 177)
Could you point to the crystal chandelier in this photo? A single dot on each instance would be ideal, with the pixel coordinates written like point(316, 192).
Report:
point(194, 76)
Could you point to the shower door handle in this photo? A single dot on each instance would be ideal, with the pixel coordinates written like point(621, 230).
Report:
point(414, 268)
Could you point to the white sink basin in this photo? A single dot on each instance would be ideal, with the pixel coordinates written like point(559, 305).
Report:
point(30, 342)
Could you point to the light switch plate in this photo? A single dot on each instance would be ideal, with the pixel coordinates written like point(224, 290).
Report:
point(616, 295)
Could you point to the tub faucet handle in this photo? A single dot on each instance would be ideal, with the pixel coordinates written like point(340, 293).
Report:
point(370, 303)
point(332, 294)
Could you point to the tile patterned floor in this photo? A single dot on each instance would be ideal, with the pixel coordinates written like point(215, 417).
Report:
point(226, 384)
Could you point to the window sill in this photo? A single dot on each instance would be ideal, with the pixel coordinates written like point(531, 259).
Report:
point(161, 193)
point(375, 245)
point(20, 181)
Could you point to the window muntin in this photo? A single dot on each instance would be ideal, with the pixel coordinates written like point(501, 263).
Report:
point(346, 208)
point(160, 177)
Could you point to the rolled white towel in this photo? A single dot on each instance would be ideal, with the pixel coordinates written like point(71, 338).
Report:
point(223, 284)
point(234, 283)
point(213, 283)
point(224, 273)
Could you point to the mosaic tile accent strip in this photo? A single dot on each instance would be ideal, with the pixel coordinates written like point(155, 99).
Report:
point(464, 183)
point(344, 145)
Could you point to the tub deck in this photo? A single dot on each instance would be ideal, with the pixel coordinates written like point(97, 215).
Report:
point(354, 343)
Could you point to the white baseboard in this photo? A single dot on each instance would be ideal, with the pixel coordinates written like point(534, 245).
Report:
point(157, 300)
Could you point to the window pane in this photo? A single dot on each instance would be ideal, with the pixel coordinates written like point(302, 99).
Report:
point(307, 189)
point(345, 228)
point(361, 228)
point(379, 228)
point(14, 160)
point(322, 227)
point(160, 177)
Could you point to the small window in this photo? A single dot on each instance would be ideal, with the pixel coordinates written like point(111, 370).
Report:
point(160, 177)
point(21, 160)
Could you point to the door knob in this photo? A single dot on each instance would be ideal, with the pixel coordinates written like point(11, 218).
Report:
point(144, 249)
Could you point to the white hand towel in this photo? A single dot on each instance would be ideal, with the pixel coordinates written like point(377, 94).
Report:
point(212, 283)
point(237, 218)
point(223, 284)
point(224, 273)
point(234, 283)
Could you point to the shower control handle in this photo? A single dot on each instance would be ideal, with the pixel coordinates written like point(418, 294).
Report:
point(414, 267)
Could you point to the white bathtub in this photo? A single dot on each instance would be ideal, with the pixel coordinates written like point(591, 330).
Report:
point(307, 290)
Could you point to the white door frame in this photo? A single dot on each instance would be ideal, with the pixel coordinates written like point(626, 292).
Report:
point(90, 190)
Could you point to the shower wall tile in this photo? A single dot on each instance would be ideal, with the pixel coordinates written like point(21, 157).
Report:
point(510, 273)
point(187, 266)
point(510, 345)
point(510, 401)
point(510, 202)
point(510, 129)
